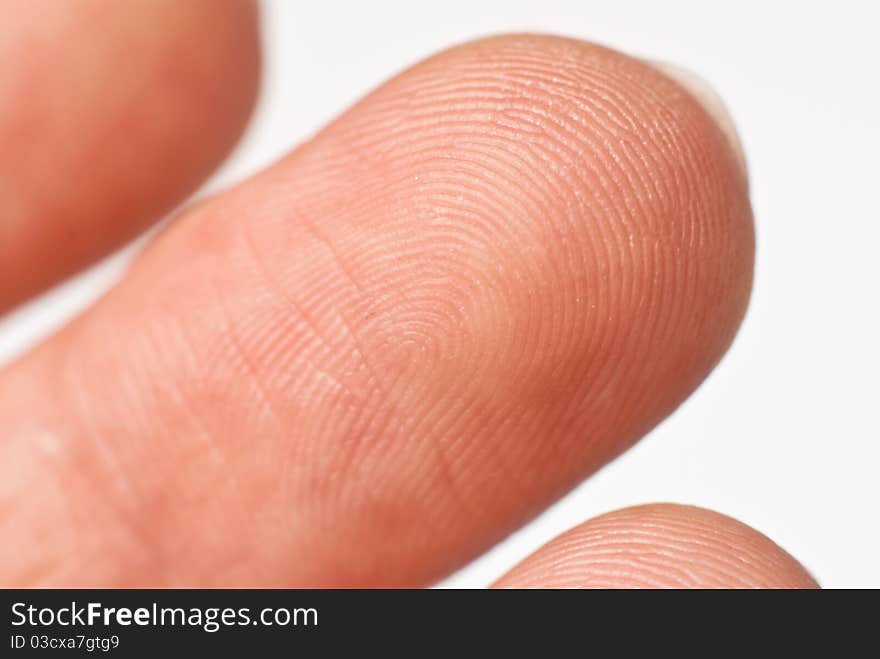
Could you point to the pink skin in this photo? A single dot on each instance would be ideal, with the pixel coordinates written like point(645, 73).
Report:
point(660, 546)
point(102, 136)
point(377, 357)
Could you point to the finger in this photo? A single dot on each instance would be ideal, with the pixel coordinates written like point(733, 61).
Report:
point(378, 357)
point(110, 112)
point(660, 546)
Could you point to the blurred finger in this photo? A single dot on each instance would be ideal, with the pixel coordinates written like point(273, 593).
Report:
point(110, 113)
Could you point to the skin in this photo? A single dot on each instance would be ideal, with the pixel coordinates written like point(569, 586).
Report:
point(660, 546)
point(104, 118)
point(376, 358)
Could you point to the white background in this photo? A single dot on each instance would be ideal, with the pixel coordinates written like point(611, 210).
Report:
point(785, 434)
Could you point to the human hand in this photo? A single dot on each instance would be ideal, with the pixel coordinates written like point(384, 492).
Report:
point(371, 361)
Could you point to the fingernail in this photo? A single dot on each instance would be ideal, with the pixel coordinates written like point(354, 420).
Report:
point(703, 92)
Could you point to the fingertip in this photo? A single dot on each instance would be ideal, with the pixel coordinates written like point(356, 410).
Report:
point(660, 546)
point(485, 280)
point(706, 95)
